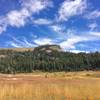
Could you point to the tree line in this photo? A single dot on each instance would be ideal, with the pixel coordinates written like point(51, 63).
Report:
point(47, 61)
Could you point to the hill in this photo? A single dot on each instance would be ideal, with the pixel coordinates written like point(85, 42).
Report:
point(46, 58)
point(48, 48)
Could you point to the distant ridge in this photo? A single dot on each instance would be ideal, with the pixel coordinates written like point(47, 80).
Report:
point(39, 48)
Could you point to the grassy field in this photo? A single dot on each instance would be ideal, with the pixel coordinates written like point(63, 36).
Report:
point(18, 49)
point(51, 86)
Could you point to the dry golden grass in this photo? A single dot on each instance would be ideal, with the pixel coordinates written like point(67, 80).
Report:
point(51, 86)
point(18, 49)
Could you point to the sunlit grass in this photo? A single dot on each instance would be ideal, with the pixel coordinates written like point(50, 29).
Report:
point(63, 88)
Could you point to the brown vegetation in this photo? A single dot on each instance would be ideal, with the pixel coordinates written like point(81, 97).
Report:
point(51, 86)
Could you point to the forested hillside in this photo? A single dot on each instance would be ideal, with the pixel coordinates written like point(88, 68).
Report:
point(47, 58)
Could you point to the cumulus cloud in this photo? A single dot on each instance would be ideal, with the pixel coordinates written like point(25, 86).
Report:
point(71, 8)
point(34, 6)
point(18, 18)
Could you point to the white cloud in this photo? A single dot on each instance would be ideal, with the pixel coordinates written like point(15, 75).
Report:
point(18, 18)
point(62, 31)
point(68, 43)
point(71, 8)
point(95, 34)
point(15, 45)
point(78, 51)
point(42, 21)
point(23, 42)
point(93, 15)
point(71, 42)
point(34, 6)
point(93, 26)
point(2, 28)
point(20, 43)
point(43, 41)
point(56, 28)
point(3, 24)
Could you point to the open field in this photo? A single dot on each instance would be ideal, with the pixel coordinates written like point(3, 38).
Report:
point(51, 86)
point(18, 49)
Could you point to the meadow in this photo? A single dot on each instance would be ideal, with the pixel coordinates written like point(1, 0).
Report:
point(83, 85)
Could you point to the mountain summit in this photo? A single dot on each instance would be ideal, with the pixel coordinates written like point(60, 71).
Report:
point(48, 48)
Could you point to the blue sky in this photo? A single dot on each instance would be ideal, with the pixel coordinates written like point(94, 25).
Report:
point(72, 24)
